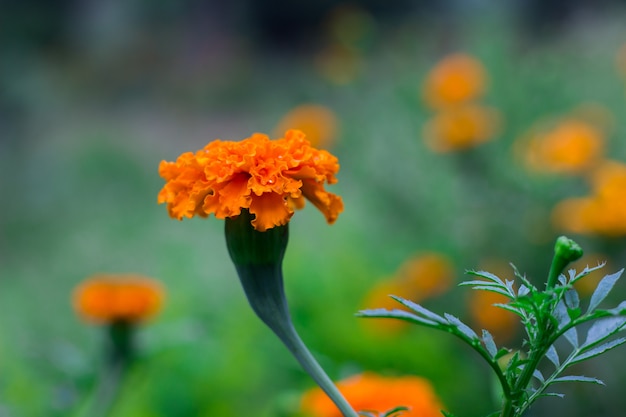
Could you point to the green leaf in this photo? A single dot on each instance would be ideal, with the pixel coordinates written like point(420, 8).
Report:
point(602, 329)
point(420, 310)
point(552, 394)
point(462, 327)
point(572, 301)
point(604, 287)
point(448, 414)
point(488, 276)
point(553, 356)
point(577, 378)
point(598, 350)
point(586, 272)
point(572, 337)
point(490, 345)
point(395, 411)
point(395, 314)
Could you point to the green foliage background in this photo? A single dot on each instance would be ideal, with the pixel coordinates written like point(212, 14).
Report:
point(80, 190)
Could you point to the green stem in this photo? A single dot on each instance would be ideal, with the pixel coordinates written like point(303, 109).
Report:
point(267, 299)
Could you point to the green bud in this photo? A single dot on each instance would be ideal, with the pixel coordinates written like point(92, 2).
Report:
point(567, 249)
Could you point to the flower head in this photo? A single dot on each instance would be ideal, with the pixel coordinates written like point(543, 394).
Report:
point(106, 298)
point(319, 123)
point(270, 178)
point(461, 127)
point(372, 392)
point(570, 146)
point(604, 211)
point(456, 79)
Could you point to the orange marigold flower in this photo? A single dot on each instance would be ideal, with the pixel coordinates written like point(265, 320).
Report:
point(108, 298)
point(461, 128)
point(570, 147)
point(371, 392)
point(318, 123)
point(457, 79)
point(604, 211)
point(270, 178)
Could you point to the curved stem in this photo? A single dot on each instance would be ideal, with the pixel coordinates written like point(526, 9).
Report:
point(263, 285)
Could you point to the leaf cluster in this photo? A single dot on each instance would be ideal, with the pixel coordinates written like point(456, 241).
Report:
point(547, 316)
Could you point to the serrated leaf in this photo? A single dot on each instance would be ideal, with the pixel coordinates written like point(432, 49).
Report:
point(502, 352)
point(463, 328)
point(552, 394)
point(490, 345)
point(420, 310)
point(598, 350)
point(511, 308)
point(572, 301)
point(586, 272)
point(553, 356)
point(395, 314)
point(617, 311)
point(577, 378)
point(561, 314)
point(523, 290)
point(603, 289)
point(602, 329)
point(487, 275)
point(572, 337)
point(493, 288)
point(395, 411)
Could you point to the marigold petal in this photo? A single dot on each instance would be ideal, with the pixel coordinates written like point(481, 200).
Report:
point(329, 204)
point(270, 210)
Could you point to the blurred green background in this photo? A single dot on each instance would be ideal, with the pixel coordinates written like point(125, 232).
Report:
point(94, 94)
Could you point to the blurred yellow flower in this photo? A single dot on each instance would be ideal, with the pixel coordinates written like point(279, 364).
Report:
point(270, 178)
point(462, 127)
point(421, 277)
point(570, 146)
point(371, 392)
point(604, 211)
point(318, 123)
point(456, 79)
point(109, 298)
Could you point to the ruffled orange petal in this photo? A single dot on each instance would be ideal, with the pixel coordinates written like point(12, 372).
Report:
point(270, 210)
point(329, 204)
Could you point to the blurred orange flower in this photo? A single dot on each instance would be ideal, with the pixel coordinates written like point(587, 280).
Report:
point(500, 323)
point(270, 178)
point(456, 79)
point(419, 278)
point(461, 128)
point(371, 392)
point(108, 298)
point(601, 213)
point(570, 146)
point(318, 123)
